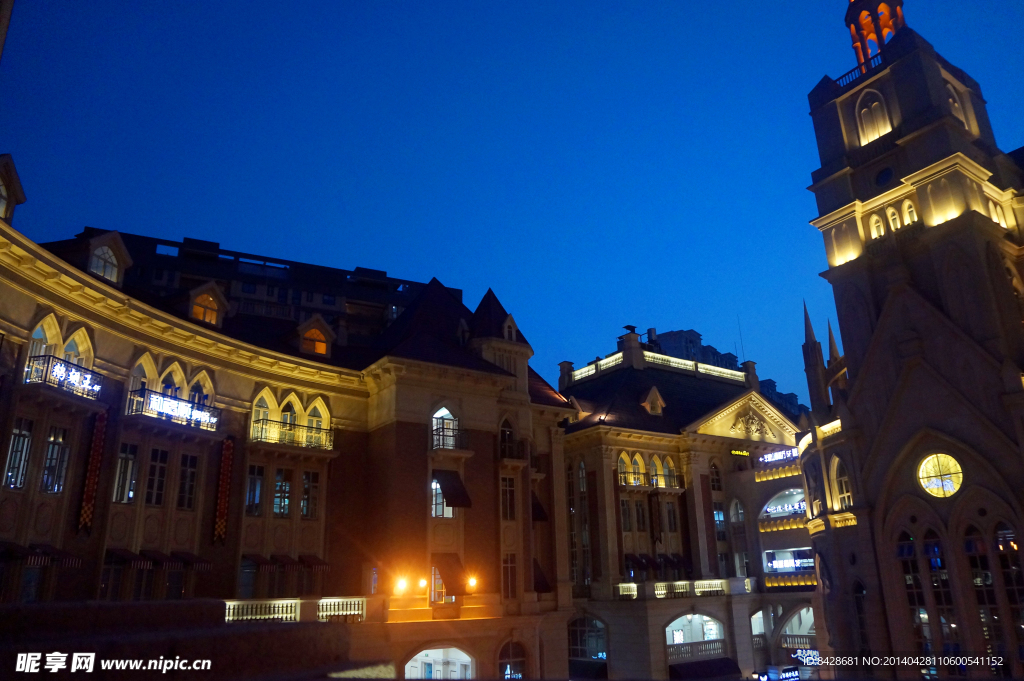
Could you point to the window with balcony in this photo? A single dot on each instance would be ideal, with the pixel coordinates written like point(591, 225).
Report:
point(282, 493)
point(124, 478)
point(260, 412)
point(103, 263)
point(508, 576)
point(72, 354)
point(446, 431)
point(157, 480)
point(17, 454)
point(55, 464)
point(254, 491)
point(205, 309)
point(314, 341)
point(508, 498)
point(187, 482)
point(310, 494)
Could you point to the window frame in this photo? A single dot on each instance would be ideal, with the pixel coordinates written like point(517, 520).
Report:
point(126, 475)
point(18, 467)
point(188, 479)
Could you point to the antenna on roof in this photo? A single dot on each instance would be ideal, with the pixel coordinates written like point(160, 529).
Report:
point(740, 325)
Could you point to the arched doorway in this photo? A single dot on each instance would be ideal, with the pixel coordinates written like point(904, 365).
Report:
point(696, 647)
point(588, 651)
point(440, 663)
point(797, 636)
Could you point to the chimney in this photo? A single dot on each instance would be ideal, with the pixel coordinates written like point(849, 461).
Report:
point(632, 353)
point(751, 372)
point(564, 375)
point(652, 335)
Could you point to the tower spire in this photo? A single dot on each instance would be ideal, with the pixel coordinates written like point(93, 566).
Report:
point(808, 327)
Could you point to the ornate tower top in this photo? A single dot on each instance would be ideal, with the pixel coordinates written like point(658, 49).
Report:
point(872, 24)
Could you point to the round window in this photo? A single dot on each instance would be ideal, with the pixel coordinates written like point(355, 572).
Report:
point(884, 177)
point(940, 475)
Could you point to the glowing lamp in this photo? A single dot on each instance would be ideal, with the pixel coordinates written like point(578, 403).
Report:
point(472, 582)
point(423, 584)
point(401, 585)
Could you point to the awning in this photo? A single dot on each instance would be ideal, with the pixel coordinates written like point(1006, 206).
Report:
point(314, 563)
point(540, 580)
point(452, 573)
point(193, 562)
point(11, 552)
point(59, 557)
point(454, 492)
point(539, 514)
point(287, 563)
point(128, 559)
point(649, 561)
point(162, 560)
point(262, 564)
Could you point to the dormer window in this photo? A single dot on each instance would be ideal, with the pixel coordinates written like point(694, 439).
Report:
point(104, 264)
point(653, 402)
point(204, 308)
point(315, 342)
point(510, 332)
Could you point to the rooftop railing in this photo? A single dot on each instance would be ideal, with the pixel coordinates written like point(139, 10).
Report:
point(862, 70)
point(159, 406)
point(59, 373)
point(285, 433)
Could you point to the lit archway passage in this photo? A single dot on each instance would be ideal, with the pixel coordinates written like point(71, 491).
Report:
point(440, 663)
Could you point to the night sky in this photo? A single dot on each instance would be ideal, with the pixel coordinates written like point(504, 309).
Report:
point(596, 163)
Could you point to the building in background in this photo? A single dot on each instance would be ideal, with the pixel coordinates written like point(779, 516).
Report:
point(912, 465)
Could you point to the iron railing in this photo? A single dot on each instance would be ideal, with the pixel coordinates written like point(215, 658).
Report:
point(861, 70)
point(159, 406)
point(285, 433)
point(698, 650)
point(799, 642)
point(520, 450)
point(447, 437)
point(665, 480)
point(631, 479)
point(52, 370)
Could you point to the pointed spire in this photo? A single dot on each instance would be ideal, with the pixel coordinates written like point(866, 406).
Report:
point(808, 328)
point(833, 348)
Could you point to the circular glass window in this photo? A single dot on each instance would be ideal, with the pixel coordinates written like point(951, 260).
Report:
point(940, 475)
point(884, 177)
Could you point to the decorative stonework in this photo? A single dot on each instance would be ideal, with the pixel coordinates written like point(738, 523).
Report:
point(751, 424)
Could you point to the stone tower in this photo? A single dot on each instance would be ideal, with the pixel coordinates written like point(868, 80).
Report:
point(912, 461)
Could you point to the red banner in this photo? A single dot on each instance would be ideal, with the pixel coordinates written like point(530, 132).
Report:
point(92, 473)
point(220, 523)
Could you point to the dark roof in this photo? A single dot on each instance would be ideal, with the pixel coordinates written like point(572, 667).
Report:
point(541, 392)
point(489, 319)
point(617, 396)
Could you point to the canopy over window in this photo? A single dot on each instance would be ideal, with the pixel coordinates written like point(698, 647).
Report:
point(449, 565)
point(452, 489)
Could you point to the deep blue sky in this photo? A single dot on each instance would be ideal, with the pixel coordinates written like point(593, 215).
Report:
point(597, 163)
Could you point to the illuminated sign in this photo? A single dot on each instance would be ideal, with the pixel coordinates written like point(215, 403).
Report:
point(792, 564)
point(176, 408)
point(808, 657)
point(739, 452)
point(784, 455)
point(73, 376)
point(798, 507)
point(789, 674)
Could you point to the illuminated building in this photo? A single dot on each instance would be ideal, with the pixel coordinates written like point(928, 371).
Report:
point(912, 464)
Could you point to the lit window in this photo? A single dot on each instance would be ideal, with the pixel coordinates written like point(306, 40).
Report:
point(872, 117)
point(104, 263)
point(124, 485)
point(512, 661)
point(894, 219)
point(587, 639)
point(909, 213)
point(719, 511)
point(315, 342)
point(877, 228)
point(439, 508)
point(56, 462)
point(282, 493)
point(72, 354)
point(716, 479)
point(844, 491)
point(940, 475)
point(954, 105)
point(17, 455)
point(204, 308)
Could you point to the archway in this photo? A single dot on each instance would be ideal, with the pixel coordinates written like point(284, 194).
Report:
point(588, 649)
point(441, 663)
point(694, 636)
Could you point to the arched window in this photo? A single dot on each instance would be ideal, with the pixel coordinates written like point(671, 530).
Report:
point(894, 219)
point(671, 480)
point(872, 117)
point(260, 419)
point(638, 470)
point(716, 478)
point(954, 105)
point(877, 228)
point(37, 346)
point(288, 414)
point(1013, 580)
point(314, 419)
point(1001, 217)
point(506, 440)
point(587, 648)
point(72, 355)
point(512, 661)
point(196, 395)
point(984, 590)
point(315, 342)
point(169, 387)
point(204, 308)
point(510, 332)
point(657, 477)
point(843, 490)
point(446, 429)
point(736, 511)
point(909, 213)
point(138, 379)
point(692, 628)
point(938, 571)
point(288, 420)
point(104, 263)
point(907, 555)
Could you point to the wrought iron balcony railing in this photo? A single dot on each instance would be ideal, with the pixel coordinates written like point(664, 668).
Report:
point(665, 480)
point(446, 437)
point(52, 370)
point(159, 406)
point(630, 479)
point(284, 433)
point(519, 450)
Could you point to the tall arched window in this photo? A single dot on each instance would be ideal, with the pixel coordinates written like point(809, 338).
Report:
point(314, 418)
point(446, 428)
point(716, 478)
point(588, 654)
point(624, 469)
point(872, 117)
point(1013, 580)
point(909, 213)
point(138, 379)
point(638, 470)
point(512, 661)
point(260, 419)
point(942, 592)
point(671, 480)
point(196, 394)
point(315, 342)
point(841, 481)
point(877, 228)
point(954, 105)
point(204, 308)
point(907, 555)
point(657, 477)
point(894, 218)
point(506, 440)
point(104, 263)
point(72, 355)
point(984, 590)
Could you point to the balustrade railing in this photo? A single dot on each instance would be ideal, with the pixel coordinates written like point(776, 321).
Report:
point(160, 406)
point(799, 642)
point(629, 479)
point(667, 480)
point(861, 70)
point(759, 641)
point(349, 609)
point(59, 373)
point(285, 433)
point(274, 610)
point(679, 589)
point(446, 437)
point(698, 650)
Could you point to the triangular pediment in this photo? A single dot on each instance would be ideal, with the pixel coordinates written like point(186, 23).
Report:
point(749, 417)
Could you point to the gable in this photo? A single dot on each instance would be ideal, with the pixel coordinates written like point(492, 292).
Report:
point(749, 417)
